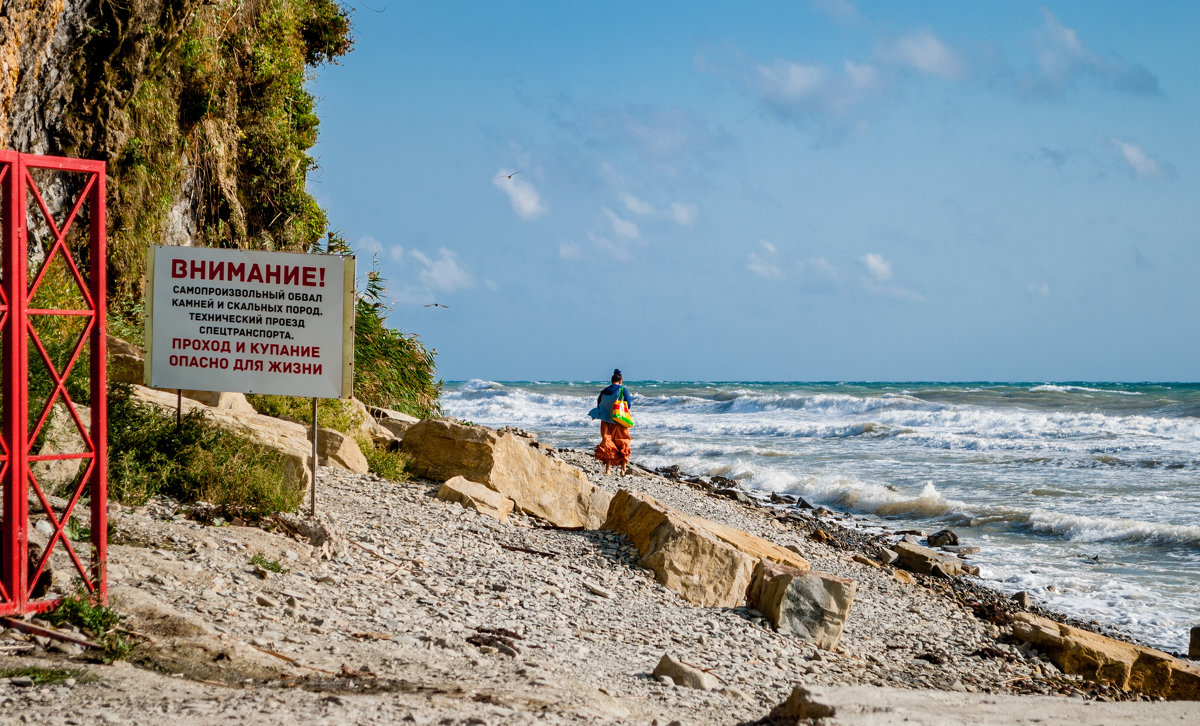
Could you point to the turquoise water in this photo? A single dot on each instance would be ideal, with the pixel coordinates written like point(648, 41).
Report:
point(1044, 477)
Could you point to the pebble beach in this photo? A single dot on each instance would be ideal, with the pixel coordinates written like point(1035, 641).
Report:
point(431, 613)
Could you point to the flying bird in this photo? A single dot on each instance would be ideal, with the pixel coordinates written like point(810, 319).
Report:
point(437, 305)
point(510, 176)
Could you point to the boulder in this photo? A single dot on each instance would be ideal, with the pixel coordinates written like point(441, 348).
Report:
point(1194, 643)
point(231, 401)
point(707, 563)
point(685, 675)
point(290, 439)
point(60, 434)
point(126, 361)
point(943, 537)
point(339, 450)
point(803, 704)
point(1024, 599)
point(476, 496)
point(539, 485)
point(810, 605)
point(926, 561)
point(1096, 657)
point(394, 422)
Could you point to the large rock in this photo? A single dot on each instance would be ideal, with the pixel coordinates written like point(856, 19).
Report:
point(290, 439)
point(707, 563)
point(1095, 657)
point(476, 496)
point(126, 361)
point(394, 422)
point(230, 401)
point(810, 605)
point(926, 561)
point(803, 704)
point(682, 674)
point(540, 486)
point(60, 434)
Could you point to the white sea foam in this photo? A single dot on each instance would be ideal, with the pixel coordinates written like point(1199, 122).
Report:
point(1067, 389)
point(1078, 528)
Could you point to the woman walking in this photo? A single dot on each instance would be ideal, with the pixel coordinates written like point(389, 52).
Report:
point(614, 437)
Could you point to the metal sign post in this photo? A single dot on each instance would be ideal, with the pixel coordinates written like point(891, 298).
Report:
point(312, 494)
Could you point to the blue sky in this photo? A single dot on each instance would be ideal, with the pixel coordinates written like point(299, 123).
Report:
point(824, 190)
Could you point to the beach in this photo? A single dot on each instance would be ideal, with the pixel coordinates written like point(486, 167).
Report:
point(1085, 495)
point(419, 610)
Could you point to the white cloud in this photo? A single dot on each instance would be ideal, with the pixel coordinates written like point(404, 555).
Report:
point(925, 52)
point(861, 76)
point(635, 205)
point(765, 263)
point(396, 254)
point(1063, 57)
point(1043, 289)
point(570, 251)
point(877, 266)
point(616, 250)
point(839, 10)
point(792, 84)
point(819, 268)
point(444, 274)
point(368, 245)
point(523, 196)
point(798, 89)
point(679, 212)
point(621, 227)
point(684, 214)
point(1140, 163)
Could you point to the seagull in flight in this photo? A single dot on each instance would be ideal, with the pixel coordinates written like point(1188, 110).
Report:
point(437, 305)
point(510, 176)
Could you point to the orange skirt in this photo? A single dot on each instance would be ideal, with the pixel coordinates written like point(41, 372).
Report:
point(614, 444)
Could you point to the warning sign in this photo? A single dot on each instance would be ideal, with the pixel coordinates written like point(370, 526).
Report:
point(278, 323)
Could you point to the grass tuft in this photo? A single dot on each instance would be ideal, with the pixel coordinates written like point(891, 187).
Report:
point(270, 565)
point(48, 676)
point(97, 621)
point(194, 462)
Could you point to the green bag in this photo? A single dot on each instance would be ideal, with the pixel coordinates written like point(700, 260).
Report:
point(620, 410)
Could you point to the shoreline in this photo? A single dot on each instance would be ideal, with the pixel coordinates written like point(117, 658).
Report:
point(821, 517)
point(423, 611)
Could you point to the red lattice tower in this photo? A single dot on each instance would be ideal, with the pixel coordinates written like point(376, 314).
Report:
point(52, 329)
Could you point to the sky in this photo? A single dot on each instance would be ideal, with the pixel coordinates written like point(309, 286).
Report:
point(813, 190)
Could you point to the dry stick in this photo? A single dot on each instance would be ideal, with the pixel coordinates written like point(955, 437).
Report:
point(382, 557)
point(705, 670)
point(293, 661)
point(515, 548)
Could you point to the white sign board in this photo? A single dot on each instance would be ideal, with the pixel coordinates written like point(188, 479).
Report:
point(280, 323)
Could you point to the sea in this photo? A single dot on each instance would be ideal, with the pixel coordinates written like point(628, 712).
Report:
point(1085, 494)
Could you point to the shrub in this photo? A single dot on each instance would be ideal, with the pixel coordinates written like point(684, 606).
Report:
point(84, 611)
point(391, 465)
point(195, 461)
point(332, 413)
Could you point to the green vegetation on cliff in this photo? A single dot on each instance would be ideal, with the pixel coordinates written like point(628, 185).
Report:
point(201, 110)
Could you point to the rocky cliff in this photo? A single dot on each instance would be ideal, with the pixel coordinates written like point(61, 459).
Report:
point(198, 106)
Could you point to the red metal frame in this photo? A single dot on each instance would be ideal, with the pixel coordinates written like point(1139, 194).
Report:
point(17, 331)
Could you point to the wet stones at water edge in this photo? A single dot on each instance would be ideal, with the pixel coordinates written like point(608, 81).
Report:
point(943, 538)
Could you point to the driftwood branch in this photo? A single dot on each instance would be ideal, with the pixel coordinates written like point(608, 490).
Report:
point(515, 548)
